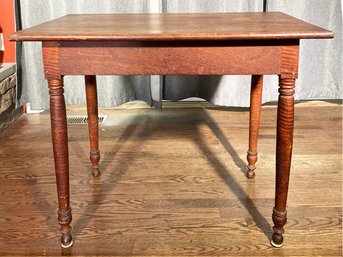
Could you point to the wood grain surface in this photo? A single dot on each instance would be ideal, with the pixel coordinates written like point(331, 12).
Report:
point(167, 58)
point(173, 184)
point(59, 140)
point(93, 127)
point(186, 26)
point(254, 122)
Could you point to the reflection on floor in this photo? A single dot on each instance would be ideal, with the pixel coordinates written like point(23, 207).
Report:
point(173, 183)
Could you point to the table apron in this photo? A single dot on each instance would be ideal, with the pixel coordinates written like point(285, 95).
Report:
point(120, 59)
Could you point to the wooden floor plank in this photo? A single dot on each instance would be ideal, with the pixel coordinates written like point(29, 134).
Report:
point(172, 184)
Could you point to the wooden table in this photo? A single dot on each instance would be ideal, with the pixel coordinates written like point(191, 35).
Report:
point(182, 44)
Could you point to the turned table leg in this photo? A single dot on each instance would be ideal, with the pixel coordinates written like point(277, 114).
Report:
point(60, 147)
point(92, 111)
point(284, 141)
point(254, 122)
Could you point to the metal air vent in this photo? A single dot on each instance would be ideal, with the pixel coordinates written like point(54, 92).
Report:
point(83, 119)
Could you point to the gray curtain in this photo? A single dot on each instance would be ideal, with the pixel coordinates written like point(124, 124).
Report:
point(321, 69)
point(112, 90)
point(320, 74)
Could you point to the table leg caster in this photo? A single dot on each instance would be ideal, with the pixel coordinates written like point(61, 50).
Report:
point(64, 219)
point(250, 172)
point(96, 172)
point(251, 158)
point(279, 219)
point(275, 245)
point(66, 245)
point(95, 158)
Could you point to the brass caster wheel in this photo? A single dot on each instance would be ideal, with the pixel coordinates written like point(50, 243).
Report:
point(275, 244)
point(66, 246)
point(251, 174)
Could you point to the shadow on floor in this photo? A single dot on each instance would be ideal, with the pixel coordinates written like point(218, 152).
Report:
point(101, 187)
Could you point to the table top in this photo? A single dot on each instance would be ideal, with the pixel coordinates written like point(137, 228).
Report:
point(181, 26)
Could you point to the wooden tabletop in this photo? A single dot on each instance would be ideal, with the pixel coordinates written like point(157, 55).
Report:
point(196, 26)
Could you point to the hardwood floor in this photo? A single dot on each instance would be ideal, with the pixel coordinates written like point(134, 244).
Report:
point(172, 183)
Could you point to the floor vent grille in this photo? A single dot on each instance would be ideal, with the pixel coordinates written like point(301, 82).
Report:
point(84, 119)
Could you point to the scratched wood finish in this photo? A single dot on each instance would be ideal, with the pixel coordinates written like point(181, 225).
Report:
point(181, 26)
point(182, 58)
point(173, 183)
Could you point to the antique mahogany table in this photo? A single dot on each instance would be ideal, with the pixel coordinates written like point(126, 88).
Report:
point(168, 44)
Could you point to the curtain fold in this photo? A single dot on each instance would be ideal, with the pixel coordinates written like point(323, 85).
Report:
point(112, 90)
point(321, 68)
point(320, 74)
